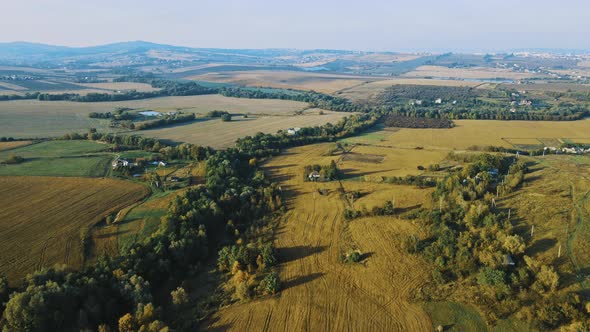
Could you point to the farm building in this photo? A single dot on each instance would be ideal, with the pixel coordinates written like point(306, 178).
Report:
point(120, 163)
point(314, 176)
point(293, 131)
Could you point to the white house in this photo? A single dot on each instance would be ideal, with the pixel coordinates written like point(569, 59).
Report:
point(163, 164)
point(314, 176)
point(438, 101)
point(293, 131)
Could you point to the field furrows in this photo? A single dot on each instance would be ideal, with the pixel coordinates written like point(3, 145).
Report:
point(43, 217)
point(319, 292)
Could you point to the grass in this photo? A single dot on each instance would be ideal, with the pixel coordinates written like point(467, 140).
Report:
point(41, 218)
point(38, 119)
point(138, 223)
point(59, 158)
point(455, 317)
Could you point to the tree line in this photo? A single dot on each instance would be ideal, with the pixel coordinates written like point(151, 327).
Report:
point(225, 215)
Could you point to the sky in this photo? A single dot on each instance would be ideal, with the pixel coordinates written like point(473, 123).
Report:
point(370, 25)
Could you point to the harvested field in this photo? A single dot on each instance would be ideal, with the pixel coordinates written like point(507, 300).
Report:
point(327, 83)
point(393, 162)
point(483, 133)
point(220, 134)
point(13, 145)
point(32, 118)
point(468, 73)
point(364, 158)
point(41, 218)
point(319, 292)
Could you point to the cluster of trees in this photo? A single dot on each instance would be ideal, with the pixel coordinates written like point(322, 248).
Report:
point(468, 103)
point(120, 291)
point(327, 172)
point(412, 180)
point(233, 207)
point(387, 209)
point(13, 159)
point(263, 145)
point(469, 239)
point(6, 139)
point(165, 121)
point(120, 142)
point(400, 121)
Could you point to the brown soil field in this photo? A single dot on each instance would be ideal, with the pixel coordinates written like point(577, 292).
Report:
point(319, 293)
point(468, 73)
point(41, 218)
point(13, 145)
point(220, 134)
point(327, 83)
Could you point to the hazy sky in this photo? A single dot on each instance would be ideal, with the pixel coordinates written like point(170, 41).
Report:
point(475, 25)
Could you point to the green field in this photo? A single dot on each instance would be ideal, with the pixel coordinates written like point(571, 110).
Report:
point(59, 158)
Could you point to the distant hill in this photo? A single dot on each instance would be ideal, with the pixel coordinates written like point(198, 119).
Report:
point(33, 53)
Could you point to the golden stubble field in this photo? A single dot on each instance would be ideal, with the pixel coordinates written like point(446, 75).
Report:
point(41, 218)
point(319, 292)
point(477, 132)
point(13, 145)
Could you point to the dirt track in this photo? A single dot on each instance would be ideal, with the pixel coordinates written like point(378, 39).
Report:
point(320, 293)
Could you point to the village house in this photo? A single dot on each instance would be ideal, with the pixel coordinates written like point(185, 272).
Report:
point(314, 176)
point(120, 163)
point(293, 131)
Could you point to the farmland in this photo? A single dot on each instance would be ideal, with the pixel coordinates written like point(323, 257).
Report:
point(32, 118)
point(220, 134)
point(483, 133)
point(59, 158)
point(467, 73)
point(42, 218)
point(12, 145)
point(319, 292)
point(327, 83)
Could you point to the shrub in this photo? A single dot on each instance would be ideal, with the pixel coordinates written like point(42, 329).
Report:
point(14, 159)
point(179, 296)
point(226, 117)
point(271, 283)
